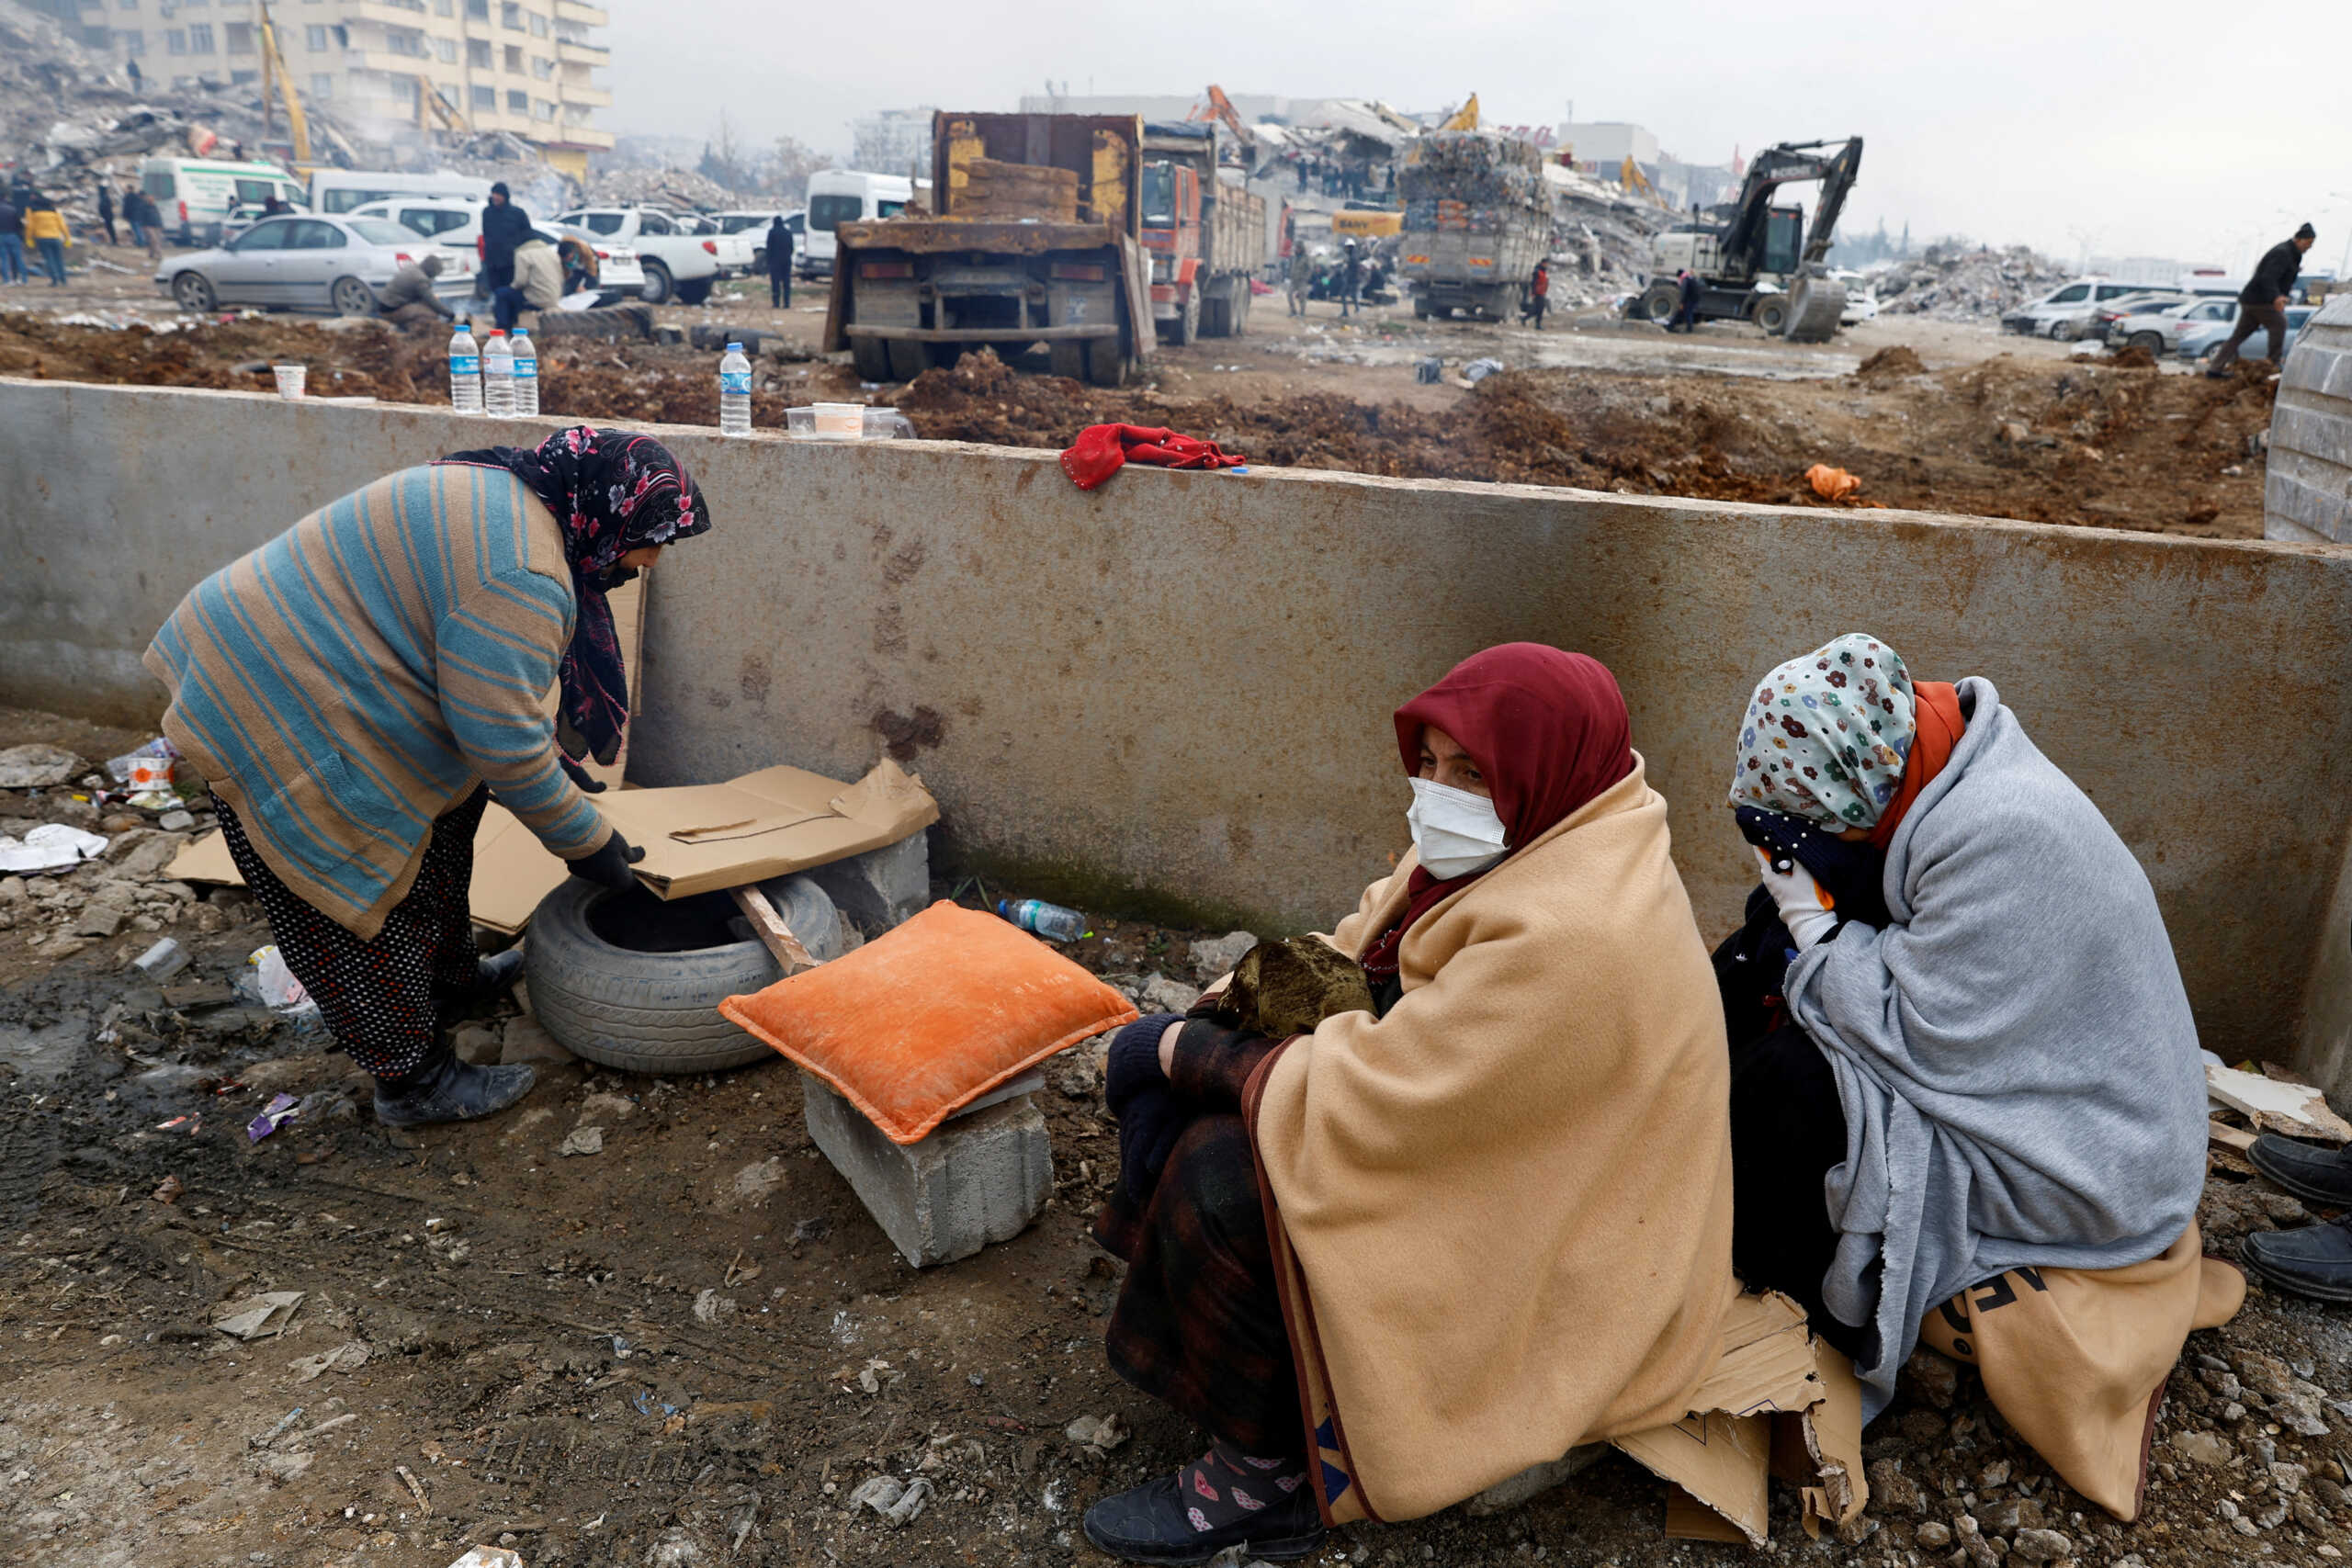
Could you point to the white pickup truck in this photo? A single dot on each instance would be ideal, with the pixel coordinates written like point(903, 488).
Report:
point(679, 260)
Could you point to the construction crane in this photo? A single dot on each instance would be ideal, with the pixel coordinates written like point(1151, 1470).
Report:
point(1220, 107)
point(274, 72)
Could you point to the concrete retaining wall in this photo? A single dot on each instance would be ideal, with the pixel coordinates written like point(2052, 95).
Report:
point(1174, 693)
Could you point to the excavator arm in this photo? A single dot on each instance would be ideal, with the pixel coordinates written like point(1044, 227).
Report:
point(273, 60)
point(1788, 164)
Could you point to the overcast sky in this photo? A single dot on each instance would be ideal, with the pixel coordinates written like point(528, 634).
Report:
point(2160, 129)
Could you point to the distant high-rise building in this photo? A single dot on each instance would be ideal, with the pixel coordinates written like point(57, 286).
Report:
point(895, 142)
point(386, 67)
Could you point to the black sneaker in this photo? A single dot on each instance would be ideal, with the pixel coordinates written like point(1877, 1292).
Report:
point(1149, 1524)
point(2315, 1261)
point(453, 1091)
point(2311, 1173)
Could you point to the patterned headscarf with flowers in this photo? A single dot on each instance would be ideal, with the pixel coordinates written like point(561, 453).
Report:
point(611, 492)
point(1825, 737)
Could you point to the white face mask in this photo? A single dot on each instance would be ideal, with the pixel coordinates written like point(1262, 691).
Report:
point(1456, 833)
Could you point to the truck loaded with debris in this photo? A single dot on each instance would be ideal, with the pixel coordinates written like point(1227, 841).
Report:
point(1037, 239)
point(1477, 219)
point(1754, 261)
point(1206, 238)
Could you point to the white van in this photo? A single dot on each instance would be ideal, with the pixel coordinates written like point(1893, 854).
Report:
point(338, 191)
point(844, 196)
point(196, 196)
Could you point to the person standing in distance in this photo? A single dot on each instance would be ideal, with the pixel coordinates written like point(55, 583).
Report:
point(2263, 301)
point(779, 251)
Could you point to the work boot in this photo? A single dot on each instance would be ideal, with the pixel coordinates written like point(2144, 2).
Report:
point(449, 1089)
point(2314, 1261)
point(2313, 1174)
point(1159, 1522)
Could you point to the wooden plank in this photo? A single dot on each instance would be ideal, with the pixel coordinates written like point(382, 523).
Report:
point(770, 928)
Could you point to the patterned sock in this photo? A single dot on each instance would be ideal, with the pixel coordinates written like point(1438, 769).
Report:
point(1225, 1485)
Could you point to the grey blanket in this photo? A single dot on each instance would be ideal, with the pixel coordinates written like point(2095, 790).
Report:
point(2014, 1052)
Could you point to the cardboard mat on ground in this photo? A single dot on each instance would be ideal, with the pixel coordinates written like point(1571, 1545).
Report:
point(696, 838)
point(1778, 1403)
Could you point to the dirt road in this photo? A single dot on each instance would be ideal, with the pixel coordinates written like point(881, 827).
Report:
point(1941, 416)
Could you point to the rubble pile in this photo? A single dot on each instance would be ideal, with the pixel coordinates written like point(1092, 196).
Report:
point(1965, 283)
point(1602, 238)
point(660, 188)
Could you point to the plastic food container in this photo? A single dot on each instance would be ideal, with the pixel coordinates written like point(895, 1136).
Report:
point(846, 422)
point(290, 378)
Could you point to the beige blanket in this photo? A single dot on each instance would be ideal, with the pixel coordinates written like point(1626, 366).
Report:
point(1502, 1212)
point(2076, 1359)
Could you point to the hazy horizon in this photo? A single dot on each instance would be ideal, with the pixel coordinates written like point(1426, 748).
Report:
point(2054, 125)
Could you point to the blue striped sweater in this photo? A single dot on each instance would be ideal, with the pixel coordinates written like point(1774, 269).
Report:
point(353, 678)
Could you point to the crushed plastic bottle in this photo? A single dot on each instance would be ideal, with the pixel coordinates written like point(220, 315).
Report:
point(526, 375)
point(464, 370)
point(734, 392)
point(1051, 921)
point(498, 375)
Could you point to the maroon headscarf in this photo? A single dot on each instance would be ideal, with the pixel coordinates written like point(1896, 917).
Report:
point(1547, 728)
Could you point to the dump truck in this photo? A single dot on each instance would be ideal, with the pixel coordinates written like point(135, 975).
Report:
point(1477, 219)
point(1037, 238)
point(1205, 239)
point(1754, 261)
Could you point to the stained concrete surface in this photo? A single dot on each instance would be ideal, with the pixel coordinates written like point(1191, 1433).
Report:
point(1177, 687)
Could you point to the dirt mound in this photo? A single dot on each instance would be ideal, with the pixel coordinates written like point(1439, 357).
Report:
point(2139, 357)
point(1889, 365)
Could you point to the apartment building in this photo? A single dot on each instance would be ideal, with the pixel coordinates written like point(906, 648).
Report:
point(387, 67)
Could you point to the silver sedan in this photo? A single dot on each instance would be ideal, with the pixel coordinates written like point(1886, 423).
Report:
point(306, 263)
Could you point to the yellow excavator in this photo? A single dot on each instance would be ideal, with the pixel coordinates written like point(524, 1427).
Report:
point(275, 77)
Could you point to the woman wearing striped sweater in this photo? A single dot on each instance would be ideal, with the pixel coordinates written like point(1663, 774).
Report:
point(356, 689)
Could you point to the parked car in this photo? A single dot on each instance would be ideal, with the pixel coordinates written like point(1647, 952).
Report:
point(2101, 326)
point(678, 264)
point(846, 196)
point(308, 263)
point(755, 226)
point(619, 272)
point(2156, 326)
point(2067, 313)
point(2205, 339)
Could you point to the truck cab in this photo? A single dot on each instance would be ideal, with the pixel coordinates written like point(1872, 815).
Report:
point(1172, 238)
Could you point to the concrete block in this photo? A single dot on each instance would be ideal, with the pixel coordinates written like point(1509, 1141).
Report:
point(979, 1179)
point(881, 887)
point(1534, 1481)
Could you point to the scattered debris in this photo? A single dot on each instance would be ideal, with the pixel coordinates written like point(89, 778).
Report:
point(2277, 1106)
point(347, 1357)
point(281, 1109)
point(582, 1141)
point(258, 1317)
point(1100, 1433)
point(53, 846)
point(898, 1501)
point(37, 767)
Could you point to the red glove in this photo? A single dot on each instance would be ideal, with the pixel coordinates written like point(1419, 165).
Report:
point(1101, 449)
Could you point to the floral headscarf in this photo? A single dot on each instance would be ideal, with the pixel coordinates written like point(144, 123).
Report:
point(1825, 736)
point(611, 492)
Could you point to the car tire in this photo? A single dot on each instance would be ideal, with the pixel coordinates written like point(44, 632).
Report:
point(871, 355)
point(193, 291)
point(2153, 342)
point(2063, 332)
point(694, 290)
point(352, 296)
point(656, 1011)
point(657, 286)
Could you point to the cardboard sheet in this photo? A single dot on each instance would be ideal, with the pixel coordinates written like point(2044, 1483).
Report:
point(696, 838)
point(1779, 1402)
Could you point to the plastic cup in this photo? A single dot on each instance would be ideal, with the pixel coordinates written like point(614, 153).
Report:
point(290, 378)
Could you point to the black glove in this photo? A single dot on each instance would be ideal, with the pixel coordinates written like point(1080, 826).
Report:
point(579, 775)
point(609, 866)
point(1150, 1116)
point(1853, 871)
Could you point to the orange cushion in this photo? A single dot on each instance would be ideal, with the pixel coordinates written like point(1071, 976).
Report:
point(929, 1016)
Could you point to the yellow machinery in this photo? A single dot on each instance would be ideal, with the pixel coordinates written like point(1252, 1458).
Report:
point(274, 73)
point(1465, 118)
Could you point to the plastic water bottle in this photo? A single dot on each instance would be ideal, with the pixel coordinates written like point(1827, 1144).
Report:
point(734, 392)
point(498, 375)
point(527, 376)
point(1048, 921)
point(465, 371)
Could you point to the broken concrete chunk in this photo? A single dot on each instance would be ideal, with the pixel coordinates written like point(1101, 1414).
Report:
point(37, 767)
point(583, 1140)
point(347, 1357)
point(1161, 994)
point(1100, 1433)
point(258, 1317)
point(100, 920)
point(712, 1307)
point(604, 1107)
point(1217, 955)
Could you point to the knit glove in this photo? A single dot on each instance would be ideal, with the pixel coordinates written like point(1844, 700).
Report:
point(587, 782)
point(609, 866)
point(1804, 908)
point(1150, 1116)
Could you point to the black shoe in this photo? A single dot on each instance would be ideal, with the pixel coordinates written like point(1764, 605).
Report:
point(452, 1090)
point(2314, 1261)
point(2313, 1174)
point(1147, 1524)
point(500, 970)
